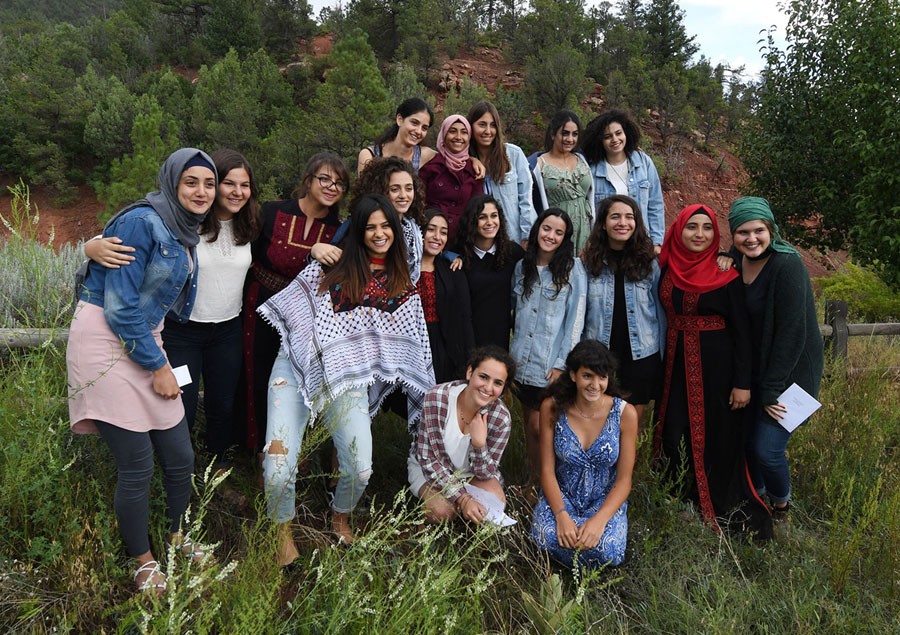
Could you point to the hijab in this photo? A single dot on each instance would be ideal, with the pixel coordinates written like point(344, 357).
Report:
point(455, 161)
point(748, 208)
point(180, 221)
point(694, 272)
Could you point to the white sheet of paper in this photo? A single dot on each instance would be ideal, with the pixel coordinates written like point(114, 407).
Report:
point(799, 404)
point(492, 504)
point(182, 375)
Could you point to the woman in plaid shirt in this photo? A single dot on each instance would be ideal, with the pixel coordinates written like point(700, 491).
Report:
point(462, 433)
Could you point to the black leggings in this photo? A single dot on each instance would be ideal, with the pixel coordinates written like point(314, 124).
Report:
point(133, 453)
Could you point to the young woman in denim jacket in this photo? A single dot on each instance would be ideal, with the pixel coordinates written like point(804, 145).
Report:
point(507, 178)
point(548, 303)
point(120, 382)
point(610, 145)
point(209, 344)
point(623, 308)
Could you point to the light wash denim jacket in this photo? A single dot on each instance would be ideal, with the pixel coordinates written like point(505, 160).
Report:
point(646, 318)
point(514, 194)
point(547, 326)
point(643, 186)
point(136, 298)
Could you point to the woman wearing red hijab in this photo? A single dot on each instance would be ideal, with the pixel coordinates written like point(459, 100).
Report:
point(449, 178)
point(707, 375)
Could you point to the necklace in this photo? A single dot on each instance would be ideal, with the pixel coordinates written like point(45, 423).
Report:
point(378, 262)
point(620, 171)
point(584, 416)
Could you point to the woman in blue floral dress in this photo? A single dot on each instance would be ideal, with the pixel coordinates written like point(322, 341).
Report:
point(588, 439)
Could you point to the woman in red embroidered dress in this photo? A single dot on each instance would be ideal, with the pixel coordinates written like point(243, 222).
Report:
point(289, 230)
point(707, 375)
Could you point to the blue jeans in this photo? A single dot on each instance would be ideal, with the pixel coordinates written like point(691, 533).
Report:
point(211, 351)
point(347, 418)
point(768, 459)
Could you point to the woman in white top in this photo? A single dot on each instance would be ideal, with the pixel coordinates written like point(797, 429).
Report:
point(210, 343)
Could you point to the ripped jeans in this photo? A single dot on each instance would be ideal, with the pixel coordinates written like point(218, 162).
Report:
point(347, 418)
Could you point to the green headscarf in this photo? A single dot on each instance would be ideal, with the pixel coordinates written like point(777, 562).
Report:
point(749, 208)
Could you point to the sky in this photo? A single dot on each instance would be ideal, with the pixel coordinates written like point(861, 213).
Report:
point(726, 30)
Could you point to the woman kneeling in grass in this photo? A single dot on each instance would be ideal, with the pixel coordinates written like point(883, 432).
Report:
point(588, 439)
point(462, 433)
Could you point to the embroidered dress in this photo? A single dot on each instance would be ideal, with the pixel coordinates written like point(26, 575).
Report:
point(585, 479)
point(334, 346)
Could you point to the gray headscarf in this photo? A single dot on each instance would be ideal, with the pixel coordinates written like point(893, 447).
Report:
point(180, 222)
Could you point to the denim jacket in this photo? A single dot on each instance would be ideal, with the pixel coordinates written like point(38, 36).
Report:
point(646, 318)
point(643, 186)
point(136, 298)
point(547, 325)
point(514, 194)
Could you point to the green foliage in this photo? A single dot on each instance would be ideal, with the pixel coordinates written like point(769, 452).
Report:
point(232, 24)
point(460, 99)
point(350, 105)
point(107, 127)
point(403, 83)
point(555, 78)
point(36, 282)
point(824, 149)
point(551, 24)
point(154, 137)
point(283, 22)
point(863, 288)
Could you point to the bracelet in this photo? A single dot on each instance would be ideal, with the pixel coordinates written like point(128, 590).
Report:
point(558, 512)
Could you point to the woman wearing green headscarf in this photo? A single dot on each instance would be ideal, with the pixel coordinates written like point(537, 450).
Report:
point(787, 344)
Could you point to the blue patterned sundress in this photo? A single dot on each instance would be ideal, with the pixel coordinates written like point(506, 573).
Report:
point(585, 478)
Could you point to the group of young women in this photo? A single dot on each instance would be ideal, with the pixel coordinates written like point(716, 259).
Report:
point(301, 317)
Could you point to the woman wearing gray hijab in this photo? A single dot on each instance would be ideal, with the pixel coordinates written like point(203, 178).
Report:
point(120, 382)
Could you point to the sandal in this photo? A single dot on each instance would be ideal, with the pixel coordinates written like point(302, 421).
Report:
point(196, 552)
point(151, 568)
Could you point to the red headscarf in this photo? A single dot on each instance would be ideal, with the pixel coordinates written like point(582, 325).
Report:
point(694, 272)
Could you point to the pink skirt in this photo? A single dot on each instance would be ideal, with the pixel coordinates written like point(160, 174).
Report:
point(105, 385)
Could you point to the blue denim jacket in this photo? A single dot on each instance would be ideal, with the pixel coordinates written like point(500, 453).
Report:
point(547, 326)
point(646, 318)
point(514, 194)
point(137, 297)
point(643, 186)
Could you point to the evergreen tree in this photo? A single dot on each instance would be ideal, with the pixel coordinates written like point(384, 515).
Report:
point(232, 24)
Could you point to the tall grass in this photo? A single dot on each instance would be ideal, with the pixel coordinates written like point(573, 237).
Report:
point(62, 567)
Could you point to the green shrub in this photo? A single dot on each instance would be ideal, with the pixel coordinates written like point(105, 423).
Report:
point(867, 295)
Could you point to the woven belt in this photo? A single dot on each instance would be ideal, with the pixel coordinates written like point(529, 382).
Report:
point(270, 279)
point(697, 322)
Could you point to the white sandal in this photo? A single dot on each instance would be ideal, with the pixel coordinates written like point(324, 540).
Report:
point(196, 552)
point(151, 568)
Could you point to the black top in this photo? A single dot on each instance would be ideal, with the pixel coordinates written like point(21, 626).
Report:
point(491, 293)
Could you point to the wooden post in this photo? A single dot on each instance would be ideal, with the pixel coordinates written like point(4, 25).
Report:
point(836, 317)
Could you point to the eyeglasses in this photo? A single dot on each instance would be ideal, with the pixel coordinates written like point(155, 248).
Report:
point(328, 183)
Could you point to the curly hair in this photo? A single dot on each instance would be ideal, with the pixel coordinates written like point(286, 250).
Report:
point(592, 139)
point(491, 351)
point(638, 253)
point(376, 179)
point(467, 232)
point(246, 221)
point(589, 354)
point(563, 259)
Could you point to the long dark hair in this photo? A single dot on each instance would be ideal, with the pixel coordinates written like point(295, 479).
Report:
point(467, 232)
point(563, 258)
point(496, 163)
point(592, 140)
point(352, 269)
point(492, 351)
point(637, 255)
point(317, 162)
point(376, 179)
point(586, 354)
point(561, 118)
point(408, 107)
point(246, 221)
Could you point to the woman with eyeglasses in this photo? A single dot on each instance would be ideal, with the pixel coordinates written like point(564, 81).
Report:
point(290, 228)
point(562, 177)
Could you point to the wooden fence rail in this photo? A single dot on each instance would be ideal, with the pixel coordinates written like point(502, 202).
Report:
point(836, 332)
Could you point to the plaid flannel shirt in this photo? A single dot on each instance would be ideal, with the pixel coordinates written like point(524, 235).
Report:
point(432, 456)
